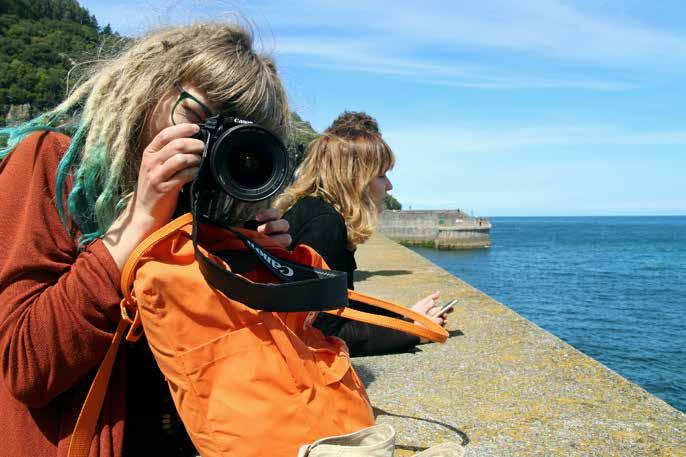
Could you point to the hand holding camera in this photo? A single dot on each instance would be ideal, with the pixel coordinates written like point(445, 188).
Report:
point(236, 164)
point(171, 160)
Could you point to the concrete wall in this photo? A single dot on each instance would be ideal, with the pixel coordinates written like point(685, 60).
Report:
point(438, 229)
point(500, 385)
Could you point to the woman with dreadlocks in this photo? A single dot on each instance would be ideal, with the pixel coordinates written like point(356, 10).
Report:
point(72, 210)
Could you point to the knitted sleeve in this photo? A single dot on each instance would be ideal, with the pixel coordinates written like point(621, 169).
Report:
point(58, 304)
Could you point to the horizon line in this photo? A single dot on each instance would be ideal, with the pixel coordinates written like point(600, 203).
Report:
point(544, 215)
point(589, 215)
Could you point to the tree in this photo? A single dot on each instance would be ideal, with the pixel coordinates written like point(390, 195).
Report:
point(391, 203)
point(40, 40)
point(301, 136)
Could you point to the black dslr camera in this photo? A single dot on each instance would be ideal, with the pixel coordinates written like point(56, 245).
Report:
point(242, 162)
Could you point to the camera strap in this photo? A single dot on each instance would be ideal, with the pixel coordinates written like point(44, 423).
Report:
point(303, 288)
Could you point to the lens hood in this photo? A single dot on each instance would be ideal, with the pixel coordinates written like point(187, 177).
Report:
point(248, 162)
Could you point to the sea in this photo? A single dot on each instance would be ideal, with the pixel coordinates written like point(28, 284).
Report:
point(612, 287)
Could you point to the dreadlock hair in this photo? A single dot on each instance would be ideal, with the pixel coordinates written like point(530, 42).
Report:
point(113, 102)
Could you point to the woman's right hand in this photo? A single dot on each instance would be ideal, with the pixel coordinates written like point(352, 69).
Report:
point(430, 309)
point(171, 160)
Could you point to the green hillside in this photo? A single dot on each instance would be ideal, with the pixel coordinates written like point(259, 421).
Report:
point(40, 40)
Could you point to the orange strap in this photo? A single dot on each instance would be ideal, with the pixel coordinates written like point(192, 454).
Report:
point(429, 329)
point(128, 273)
point(129, 269)
point(84, 430)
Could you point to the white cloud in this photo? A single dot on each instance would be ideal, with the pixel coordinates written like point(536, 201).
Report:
point(497, 44)
point(359, 56)
point(542, 27)
point(447, 139)
point(436, 43)
point(539, 27)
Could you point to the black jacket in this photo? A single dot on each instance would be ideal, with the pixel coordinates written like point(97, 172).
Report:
point(317, 224)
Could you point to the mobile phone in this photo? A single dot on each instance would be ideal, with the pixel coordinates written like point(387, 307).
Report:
point(446, 307)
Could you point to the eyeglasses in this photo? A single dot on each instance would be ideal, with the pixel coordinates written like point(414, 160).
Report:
point(189, 111)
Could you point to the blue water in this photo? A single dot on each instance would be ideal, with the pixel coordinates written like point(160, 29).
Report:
point(613, 287)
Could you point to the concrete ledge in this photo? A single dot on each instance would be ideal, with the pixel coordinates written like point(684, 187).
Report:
point(502, 385)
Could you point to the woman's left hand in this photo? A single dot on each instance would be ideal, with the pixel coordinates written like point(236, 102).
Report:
point(273, 226)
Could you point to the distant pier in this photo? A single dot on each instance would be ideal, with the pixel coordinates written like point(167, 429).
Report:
point(440, 229)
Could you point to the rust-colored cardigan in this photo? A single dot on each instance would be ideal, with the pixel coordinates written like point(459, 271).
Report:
point(58, 311)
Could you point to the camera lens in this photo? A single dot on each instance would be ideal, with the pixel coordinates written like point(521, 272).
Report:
point(250, 168)
point(249, 162)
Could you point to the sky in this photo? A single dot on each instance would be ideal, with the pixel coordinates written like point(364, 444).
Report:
point(496, 107)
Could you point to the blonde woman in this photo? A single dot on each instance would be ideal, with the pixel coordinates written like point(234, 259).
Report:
point(74, 208)
point(333, 206)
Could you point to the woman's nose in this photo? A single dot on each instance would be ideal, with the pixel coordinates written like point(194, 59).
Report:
point(389, 185)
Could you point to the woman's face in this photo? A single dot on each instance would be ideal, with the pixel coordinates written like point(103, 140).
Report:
point(378, 187)
point(175, 108)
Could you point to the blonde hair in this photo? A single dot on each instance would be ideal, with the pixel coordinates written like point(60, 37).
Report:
point(115, 100)
point(338, 167)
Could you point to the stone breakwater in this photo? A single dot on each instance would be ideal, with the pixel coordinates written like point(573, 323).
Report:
point(501, 385)
point(442, 229)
